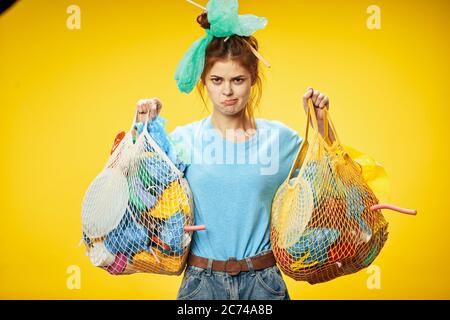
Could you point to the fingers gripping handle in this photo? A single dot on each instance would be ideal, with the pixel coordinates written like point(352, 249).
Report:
point(147, 119)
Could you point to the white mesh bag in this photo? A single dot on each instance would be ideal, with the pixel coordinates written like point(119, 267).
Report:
point(137, 214)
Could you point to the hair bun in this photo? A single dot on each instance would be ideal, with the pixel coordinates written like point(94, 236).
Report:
point(202, 20)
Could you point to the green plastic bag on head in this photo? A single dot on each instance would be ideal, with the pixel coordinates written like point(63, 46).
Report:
point(225, 21)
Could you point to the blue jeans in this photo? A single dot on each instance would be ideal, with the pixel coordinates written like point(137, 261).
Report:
point(205, 284)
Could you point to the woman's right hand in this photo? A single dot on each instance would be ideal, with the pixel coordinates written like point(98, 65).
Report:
point(144, 106)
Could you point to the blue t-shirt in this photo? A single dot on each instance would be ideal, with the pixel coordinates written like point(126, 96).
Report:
point(233, 184)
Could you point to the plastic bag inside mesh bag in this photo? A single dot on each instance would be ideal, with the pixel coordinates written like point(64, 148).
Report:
point(156, 129)
point(148, 228)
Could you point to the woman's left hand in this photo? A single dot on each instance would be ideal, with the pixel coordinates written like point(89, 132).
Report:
point(319, 100)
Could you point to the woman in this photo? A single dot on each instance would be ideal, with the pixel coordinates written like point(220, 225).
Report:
point(235, 164)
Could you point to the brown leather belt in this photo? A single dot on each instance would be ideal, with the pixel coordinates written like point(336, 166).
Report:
point(232, 266)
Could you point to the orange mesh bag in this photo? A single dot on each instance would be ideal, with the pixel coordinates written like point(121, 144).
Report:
point(326, 222)
point(137, 214)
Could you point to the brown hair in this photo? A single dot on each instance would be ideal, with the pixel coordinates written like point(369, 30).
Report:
point(235, 48)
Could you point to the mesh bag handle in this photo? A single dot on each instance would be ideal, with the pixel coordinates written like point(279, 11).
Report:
point(301, 154)
point(155, 146)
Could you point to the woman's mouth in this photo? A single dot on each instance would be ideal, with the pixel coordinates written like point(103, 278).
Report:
point(230, 102)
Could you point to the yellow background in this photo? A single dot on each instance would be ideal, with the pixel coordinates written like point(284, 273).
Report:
point(66, 93)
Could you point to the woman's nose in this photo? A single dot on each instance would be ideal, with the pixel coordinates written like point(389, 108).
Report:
point(227, 91)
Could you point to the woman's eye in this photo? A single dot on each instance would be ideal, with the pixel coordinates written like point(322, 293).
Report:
point(216, 80)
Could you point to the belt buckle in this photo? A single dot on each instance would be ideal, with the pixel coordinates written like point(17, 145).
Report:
point(233, 270)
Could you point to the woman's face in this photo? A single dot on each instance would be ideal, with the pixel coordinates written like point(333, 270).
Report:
point(228, 80)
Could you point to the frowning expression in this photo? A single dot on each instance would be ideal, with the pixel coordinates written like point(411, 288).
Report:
point(229, 86)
